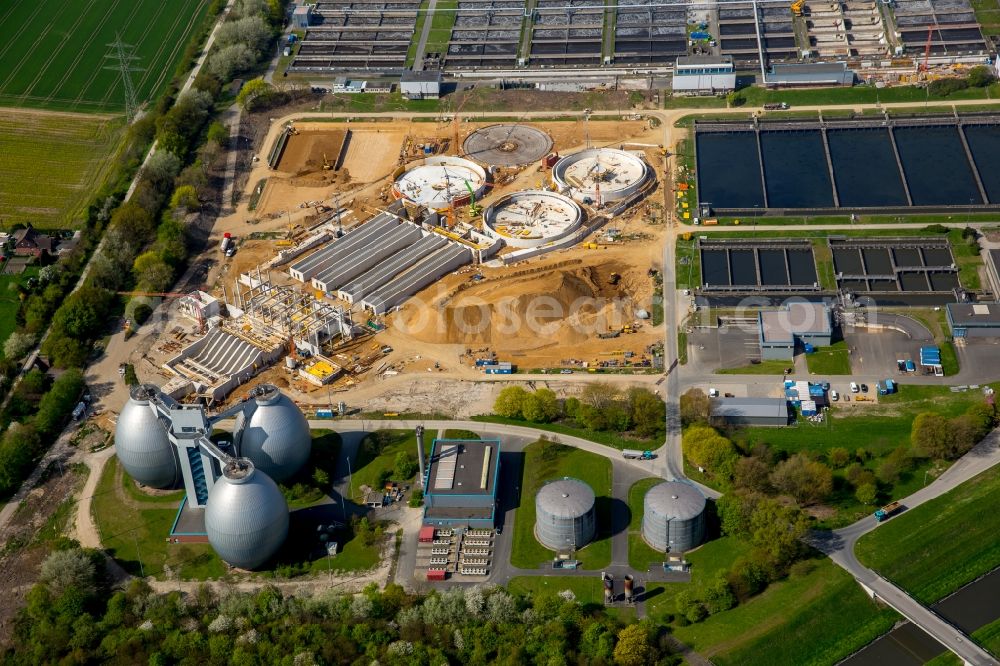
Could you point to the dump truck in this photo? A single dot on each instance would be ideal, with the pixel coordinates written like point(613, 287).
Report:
point(633, 454)
point(886, 512)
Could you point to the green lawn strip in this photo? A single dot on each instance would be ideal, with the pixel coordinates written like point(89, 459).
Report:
point(688, 264)
point(967, 258)
point(961, 550)
point(612, 439)
point(707, 562)
point(832, 360)
point(640, 554)
point(682, 345)
point(545, 461)
point(588, 589)
point(817, 618)
point(303, 489)
point(823, 256)
point(452, 433)
point(987, 636)
point(762, 368)
point(172, 497)
point(418, 30)
point(367, 469)
point(442, 21)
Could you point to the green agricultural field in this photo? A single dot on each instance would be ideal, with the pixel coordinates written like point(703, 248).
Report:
point(50, 164)
point(54, 53)
point(819, 617)
point(961, 550)
point(546, 461)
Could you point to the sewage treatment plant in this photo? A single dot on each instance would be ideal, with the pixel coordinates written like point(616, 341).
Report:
point(826, 167)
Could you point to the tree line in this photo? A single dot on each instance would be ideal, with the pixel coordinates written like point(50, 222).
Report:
point(601, 407)
point(73, 615)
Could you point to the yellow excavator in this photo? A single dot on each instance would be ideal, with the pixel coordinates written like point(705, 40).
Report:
point(798, 6)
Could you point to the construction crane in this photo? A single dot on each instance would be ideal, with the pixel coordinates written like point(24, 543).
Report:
point(454, 125)
point(927, 48)
point(473, 206)
point(162, 294)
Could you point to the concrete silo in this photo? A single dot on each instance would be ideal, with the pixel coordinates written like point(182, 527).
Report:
point(142, 443)
point(564, 514)
point(673, 517)
point(246, 516)
point(273, 433)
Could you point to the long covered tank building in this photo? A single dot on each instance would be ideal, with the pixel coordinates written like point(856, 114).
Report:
point(231, 496)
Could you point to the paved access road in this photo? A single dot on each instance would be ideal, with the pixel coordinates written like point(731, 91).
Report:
point(839, 546)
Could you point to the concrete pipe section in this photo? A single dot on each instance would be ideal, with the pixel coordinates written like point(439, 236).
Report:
point(532, 218)
point(437, 182)
point(597, 176)
point(507, 145)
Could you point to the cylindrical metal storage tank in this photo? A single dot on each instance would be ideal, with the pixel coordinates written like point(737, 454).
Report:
point(673, 518)
point(141, 441)
point(564, 514)
point(273, 433)
point(246, 516)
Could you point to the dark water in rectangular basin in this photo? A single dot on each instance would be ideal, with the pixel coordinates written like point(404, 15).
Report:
point(795, 170)
point(936, 167)
point(914, 282)
point(943, 281)
point(801, 267)
point(883, 285)
point(854, 285)
point(984, 142)
point(772, 267)
point(729, 170)
point(744, 267)
point(847, 261)
point(876, 261)
point(934, 256)
point(865, 168)
point(907, 257)
point(714, 267)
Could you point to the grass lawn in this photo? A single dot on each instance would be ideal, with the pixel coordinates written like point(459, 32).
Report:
point(682, 345)
point(304, 489)
point(823, 256)
point(453, 433)
point(640, 555)
point(137, 535)
point(707, 562)
point(967, 258)
point(960, 551)
point(588, 589)
point(817, 618)
point(545, 461)
point(442, 21)
point(418, 29)
point(34, 145)
point(762, 368)
point(688, 260)
point(59, 61)
point(368, 468)
point(832, 360)
point(612, 439)
point(10, 302)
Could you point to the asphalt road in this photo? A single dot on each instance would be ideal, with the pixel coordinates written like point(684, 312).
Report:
point(839, 546)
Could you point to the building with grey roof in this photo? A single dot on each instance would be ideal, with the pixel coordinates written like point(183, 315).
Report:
point(789, 75)
point(751, 411)
point(974, 320)
point(460, 487)
point(704, 75)
point(798, 323)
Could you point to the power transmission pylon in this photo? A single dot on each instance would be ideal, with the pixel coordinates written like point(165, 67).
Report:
point(123, 55)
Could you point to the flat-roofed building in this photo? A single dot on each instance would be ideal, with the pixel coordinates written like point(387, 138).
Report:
point(751, 411)
point(974, 320)
point(704, 75)
point(460, 489)
point(799, 323)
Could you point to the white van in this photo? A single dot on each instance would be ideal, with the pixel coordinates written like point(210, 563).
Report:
point(854, 388)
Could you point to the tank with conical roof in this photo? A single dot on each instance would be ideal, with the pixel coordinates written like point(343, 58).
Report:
point(141, 441)
point(273, 433)
point(673, 518)
point(246, 516)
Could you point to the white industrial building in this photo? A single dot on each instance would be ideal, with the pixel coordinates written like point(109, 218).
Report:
point(704, 75)
point(420, 85)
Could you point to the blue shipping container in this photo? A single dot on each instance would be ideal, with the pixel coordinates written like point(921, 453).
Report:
point(700, 35)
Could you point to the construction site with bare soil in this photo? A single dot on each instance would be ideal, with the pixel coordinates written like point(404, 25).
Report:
point(368, 251)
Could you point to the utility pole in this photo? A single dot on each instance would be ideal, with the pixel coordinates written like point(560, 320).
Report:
point(123, 56)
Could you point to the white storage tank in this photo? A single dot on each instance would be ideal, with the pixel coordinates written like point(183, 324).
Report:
point(273, 433)
point(564, 514)
point(141, 442)
point(246, 516)
point(673, 518)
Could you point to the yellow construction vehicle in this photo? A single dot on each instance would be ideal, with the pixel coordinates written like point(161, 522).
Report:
point(326, 163)
point(798, 6)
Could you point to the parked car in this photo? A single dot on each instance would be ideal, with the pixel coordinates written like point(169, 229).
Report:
point(864, 388)
point(834, 396)
point(854, 388)
point(713, 393)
